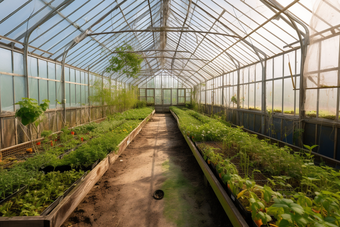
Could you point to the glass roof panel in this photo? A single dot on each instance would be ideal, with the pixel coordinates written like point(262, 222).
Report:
point(194, 40)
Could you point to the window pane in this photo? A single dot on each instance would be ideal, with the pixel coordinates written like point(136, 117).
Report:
point(20, 88)
point(67, 95)
point(18, 63)
point(33, 88)
point(82, 98)
point(77, 76)
point(52, 97)
point(73, 94)
point(251, 96)
point(258, 100)
point(51, 70)
point(42, 69)
point(72, 75)
point(278, 67)
point(174, 96)
point(32, 67)
point(59, 93)
point(82, 77)
point(78, 95)
point(269, 96)
point(7, 100)
point(67, 74)
point(141, 92)
point(288, 96)
point(58, 72)
point(42, 90)
point(278, 96)
point(5, 61)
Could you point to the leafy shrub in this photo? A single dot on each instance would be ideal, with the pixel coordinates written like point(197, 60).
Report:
point(30, 111)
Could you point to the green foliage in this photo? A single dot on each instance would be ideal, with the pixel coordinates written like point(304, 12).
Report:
point(125, 62)
point(46, 133)
point(140, 104)
point(30, 110)
point(133, 114)
point(100, 139)
point(310, 194)
point(41, 192)
point(234, 99)
point(119, 98)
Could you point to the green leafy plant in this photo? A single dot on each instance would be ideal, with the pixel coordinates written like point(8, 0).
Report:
point(233, 99)
point(125, 61)
point(30, 110)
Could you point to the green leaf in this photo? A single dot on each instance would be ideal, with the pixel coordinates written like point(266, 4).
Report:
point(287, 217)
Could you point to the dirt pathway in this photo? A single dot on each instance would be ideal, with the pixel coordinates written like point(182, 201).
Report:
point(158, 158)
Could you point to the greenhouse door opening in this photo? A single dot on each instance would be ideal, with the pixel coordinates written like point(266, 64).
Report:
point(162, 99)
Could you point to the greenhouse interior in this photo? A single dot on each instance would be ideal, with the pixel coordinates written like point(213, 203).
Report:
point(169, 113)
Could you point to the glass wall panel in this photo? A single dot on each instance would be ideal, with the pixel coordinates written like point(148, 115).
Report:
point(60, 94)
point(73, 94)
point(20, 89)
point(51, 70)
point(188, 96)
point(246, 96)
point(72, 75)
point(78, 94)
point(158, 96)
point(269, 69)
point(42, 68)
point(42, 90)
point(258, 96)
point(251, 96)
point(7, 95)
point(18, 62)
point(174, 97)
point(67, 74)
point(32, 66)
point(58, 72)
point(52, 94)
point(67, 95)
point(77, 76)
point(269, 95)
point(278, 66)
point(5, 61)
point(33, 89)
point(288, 107)
point(278, 96)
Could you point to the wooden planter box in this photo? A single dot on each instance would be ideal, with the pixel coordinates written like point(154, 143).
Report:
point(62, 211)
point(229, 207)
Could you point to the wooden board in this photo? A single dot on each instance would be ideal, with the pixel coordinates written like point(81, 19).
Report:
point(229, 207)
point(61, 212)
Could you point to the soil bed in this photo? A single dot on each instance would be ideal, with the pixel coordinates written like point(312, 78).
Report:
point(158, 158)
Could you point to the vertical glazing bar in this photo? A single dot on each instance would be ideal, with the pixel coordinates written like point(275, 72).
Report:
point(283, 84)
point(222, 92)
point(14, 107)
point(89, 92)
point(318, 90)
point(295, 72)
point(63, 92)
point(264, 97)
point(336, 142)
point(102, 90)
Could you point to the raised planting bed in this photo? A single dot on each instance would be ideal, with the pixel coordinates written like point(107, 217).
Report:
point(57, 212)
point(226, 202)
point(268, 184)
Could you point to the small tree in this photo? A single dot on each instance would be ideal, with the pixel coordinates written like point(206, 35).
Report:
point(31, 113)
point(125, 62)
